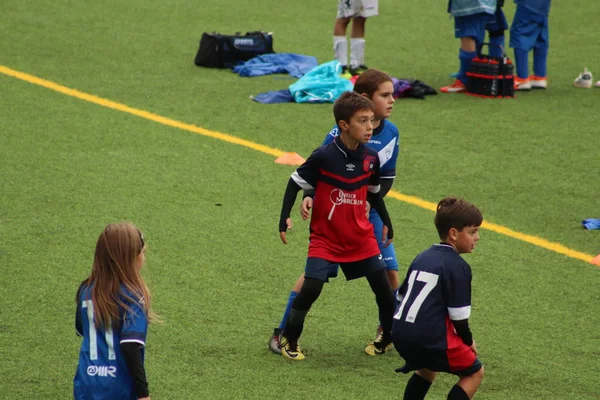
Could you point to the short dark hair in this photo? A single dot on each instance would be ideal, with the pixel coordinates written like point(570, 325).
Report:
point(348, 104)
point(455, 213)
point(368, 82)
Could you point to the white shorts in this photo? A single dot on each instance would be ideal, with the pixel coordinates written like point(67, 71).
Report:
point(357, 8)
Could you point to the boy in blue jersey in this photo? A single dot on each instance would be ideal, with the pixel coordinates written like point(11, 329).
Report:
point(529, 30)
point(431, 326)
point(470, 19)
point(378, 87)
point(113, 310)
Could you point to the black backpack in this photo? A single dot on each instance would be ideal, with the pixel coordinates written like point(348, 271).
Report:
point(225, 51)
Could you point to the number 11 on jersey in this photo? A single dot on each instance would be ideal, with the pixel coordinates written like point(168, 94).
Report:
point(94, 334)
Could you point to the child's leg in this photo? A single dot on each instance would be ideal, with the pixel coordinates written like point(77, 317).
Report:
point(291, 298)
point(418, 385)
point(392, 275)
point(467, 386)
point(522, 63)
point(357, 42)
point(340, 42)
point(540, 51)
point(384, 295)
point(466, 54)
point(523, 34)
point(311, 289)
point(496, 29)
point(471, 31)
point(540, 55)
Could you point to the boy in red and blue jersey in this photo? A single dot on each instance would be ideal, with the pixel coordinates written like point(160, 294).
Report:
point(344, 176)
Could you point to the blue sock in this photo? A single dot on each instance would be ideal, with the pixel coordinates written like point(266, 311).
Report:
point(465, 58)
point(539, 61)
point(496, 51)
point(288, 309)
point(522, 62)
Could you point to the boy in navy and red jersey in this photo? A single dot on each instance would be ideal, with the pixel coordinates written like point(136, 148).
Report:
point(344, 176)
point(431, 326)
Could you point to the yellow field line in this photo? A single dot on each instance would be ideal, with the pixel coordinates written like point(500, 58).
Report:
point(536, 241)
point(140, 113)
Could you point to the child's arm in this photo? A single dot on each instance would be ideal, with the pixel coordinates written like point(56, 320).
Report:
point(375, 199)
point(132, 353)
point(78, 322)
point(378, 204)
point(463, 331)
point(458, 289)
point(289, 198)
point(305, 177)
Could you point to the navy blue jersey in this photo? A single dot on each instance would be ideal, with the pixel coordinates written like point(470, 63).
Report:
point(437, 289)
point(385, 141)
point(102, 373)
point(339, 229)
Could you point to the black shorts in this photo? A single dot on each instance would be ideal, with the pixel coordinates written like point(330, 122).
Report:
point(459, 361)
point(321, 269)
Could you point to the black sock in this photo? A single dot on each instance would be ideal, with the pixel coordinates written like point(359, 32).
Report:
point(457, 393)
point(416, 388)
point(294, 325)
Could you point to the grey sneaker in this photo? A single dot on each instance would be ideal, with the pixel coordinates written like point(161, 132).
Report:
point(274, 341)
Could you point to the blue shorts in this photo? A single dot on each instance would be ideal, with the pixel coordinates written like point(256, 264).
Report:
point(496, 22)
point(529, 30)
point(471, 26)
point(388, 253)
point(321, 269)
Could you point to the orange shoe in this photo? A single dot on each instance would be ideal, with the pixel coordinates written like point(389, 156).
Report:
point(522, 84)
point(538, 82)
point(456, 87)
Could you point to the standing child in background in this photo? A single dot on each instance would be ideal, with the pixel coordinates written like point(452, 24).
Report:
point(495, 27)
point(431, 326)
point(358, 11)
point(113, 310)
point(529, 30)
point(470, 19)
point(344, 175)
point(378, 87)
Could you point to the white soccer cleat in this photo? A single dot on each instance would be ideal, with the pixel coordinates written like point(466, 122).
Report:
point(584, 80)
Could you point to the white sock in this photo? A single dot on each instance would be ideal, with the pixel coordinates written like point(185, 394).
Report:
point(357, 52)
point(340, 47)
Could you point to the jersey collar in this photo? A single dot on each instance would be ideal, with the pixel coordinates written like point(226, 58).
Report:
point(358, 153)
point(378, 130)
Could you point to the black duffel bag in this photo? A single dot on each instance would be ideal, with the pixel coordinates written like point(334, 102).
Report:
point(225, 51)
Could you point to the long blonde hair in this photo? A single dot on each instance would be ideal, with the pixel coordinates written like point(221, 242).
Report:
point(116, 280)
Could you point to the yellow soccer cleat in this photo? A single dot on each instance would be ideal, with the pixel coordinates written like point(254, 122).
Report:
point(290, 349)
point(378, 346)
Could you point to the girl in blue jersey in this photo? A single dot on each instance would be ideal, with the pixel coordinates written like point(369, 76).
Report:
point(113, 311)
point(378, 87)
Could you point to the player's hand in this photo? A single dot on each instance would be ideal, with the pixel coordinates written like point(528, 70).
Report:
point(307, 204)
point(385, 238)
point(287, 227)
point(474, 348)
point(367, 208)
